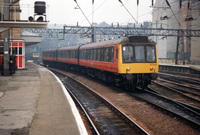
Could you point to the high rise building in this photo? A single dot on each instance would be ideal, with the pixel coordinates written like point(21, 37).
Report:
point(177, 14)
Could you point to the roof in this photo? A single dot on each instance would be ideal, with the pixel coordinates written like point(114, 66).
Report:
point(135, 39)
point(108, 42)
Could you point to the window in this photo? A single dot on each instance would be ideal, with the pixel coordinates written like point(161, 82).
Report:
point(151, 54)
point(95, 54)
point(81, 54)
point(139, 54)
point(117, 54)
point(127, 53)
point(92, 55)
point(14, 50)
point(106, 54)
point(109, 54)
point(85, 54)
point(101, 54)
point(98, 54)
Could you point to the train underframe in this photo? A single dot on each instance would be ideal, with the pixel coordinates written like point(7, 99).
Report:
point(130, 82)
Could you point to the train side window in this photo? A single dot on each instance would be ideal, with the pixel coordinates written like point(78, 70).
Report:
point(102, 54)
point(80, 54)
point(112, 54)
point(92, 54)
point(76, 54)
point(109, 54)
point(89, 54)
point(59, 54)
point(106, 54)
point(98, 54)
point(117, 54)
point(95, 55)
point(72, 54)
point(65, 54)
point(84, 54)
point(69, 54)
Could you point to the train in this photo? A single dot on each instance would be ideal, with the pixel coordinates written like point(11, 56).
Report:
point(129, 62)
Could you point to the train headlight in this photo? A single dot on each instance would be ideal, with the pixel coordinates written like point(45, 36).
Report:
point(128, 69)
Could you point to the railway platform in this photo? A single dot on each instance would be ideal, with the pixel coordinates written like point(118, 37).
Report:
point(33, 101)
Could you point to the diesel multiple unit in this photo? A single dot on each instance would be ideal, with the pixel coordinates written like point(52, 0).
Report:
point(127, 61)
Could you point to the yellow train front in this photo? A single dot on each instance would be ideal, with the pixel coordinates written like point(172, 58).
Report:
point(137, 62)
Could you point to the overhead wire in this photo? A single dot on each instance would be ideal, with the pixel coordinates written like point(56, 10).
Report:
point(95, 9)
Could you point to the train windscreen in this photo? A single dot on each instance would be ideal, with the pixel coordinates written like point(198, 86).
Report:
point(138, 53)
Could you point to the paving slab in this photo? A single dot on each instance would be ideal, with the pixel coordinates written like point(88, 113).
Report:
point(32, 102)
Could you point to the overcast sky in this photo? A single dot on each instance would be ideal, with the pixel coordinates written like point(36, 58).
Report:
point(110, 11)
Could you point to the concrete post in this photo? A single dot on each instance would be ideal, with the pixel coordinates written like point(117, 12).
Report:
point(6, 71)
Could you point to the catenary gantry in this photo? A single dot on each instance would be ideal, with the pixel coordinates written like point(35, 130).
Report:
point(119, 31)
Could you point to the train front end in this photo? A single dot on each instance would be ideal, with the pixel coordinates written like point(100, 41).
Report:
point(138, 63)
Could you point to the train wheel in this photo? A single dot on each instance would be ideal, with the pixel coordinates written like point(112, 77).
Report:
point(130, 86)
point(143, 84)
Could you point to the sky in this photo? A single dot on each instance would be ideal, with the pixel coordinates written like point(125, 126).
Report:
point(109, 11)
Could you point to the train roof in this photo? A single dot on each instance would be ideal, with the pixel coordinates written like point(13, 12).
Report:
point(108, 42)
point(63, 48)
point(130, 39)
point(69, 47)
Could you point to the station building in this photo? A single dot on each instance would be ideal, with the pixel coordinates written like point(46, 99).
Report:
point(185, 14)
point(10, 29)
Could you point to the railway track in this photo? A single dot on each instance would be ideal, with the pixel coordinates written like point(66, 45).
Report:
point(104, 117)
point(170, 105)
point(180, 79)
point(185, 88)
point(174, 93)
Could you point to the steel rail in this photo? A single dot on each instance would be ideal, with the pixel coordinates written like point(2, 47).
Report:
point(170, 106)
point(177, 91)
point(110, 105)
point(197, 93)
point(83, 109)
point(179, 78)
point(191, 107)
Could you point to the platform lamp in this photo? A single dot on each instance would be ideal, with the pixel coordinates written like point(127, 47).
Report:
point(40, 10)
